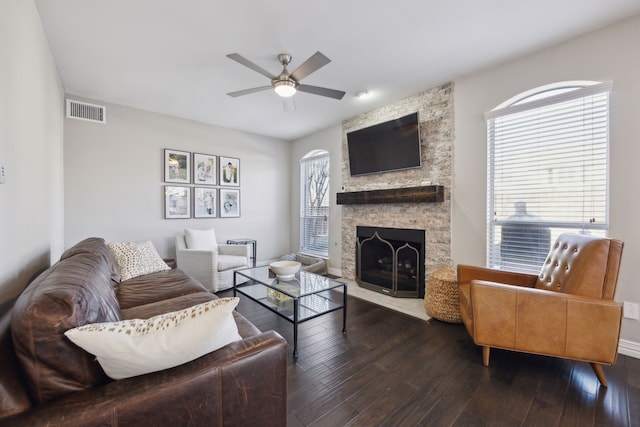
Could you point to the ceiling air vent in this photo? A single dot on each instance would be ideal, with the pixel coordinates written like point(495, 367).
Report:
point(85, 111)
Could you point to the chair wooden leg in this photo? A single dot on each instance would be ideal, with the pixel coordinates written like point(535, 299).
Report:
point(485, 355)
point(597, 368)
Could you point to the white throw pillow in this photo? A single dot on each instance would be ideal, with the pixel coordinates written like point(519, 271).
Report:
point(204, 240)
point(135, 347)
point(136, 259)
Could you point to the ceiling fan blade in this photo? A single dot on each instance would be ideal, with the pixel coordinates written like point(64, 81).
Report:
point(314, 63)
point(248, 91)
point(244, 61)
point(323, 91)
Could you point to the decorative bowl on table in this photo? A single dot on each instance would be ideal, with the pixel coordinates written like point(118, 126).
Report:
point(285, 270)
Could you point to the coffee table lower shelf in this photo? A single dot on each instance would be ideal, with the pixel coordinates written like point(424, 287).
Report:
point(295, 309)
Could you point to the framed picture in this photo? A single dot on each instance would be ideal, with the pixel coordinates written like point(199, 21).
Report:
point(204, 169)
point(177, 202)
point(229, 203)
point(177, 166)
point(204, 202)
point(229, 171)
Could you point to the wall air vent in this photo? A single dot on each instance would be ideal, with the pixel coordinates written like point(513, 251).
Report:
point(85, 111)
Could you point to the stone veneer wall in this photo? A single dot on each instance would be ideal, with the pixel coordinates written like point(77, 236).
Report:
point(435, 114)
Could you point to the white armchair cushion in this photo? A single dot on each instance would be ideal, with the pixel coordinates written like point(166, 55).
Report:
point(201, 239)
point(138, 346)
point(226, 262)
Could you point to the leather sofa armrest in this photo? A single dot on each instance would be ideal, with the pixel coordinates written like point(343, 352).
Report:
point(545, 322)
point(238, 384)
point(466, 273)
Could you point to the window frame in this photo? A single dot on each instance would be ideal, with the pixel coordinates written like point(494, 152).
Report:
point(537, 100)
point(319, 247)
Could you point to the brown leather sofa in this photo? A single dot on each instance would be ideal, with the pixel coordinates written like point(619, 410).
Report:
point(566, 311)
point(47, 380)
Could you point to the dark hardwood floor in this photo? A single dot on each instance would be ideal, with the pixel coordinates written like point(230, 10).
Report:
point(393, 369)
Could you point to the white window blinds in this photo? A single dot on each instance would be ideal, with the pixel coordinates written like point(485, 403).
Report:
point(547, 173)
point(314, 203)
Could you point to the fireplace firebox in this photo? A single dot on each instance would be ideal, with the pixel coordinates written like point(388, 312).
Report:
point(391, 260)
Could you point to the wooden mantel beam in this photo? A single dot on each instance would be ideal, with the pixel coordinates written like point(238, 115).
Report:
point(422, 194)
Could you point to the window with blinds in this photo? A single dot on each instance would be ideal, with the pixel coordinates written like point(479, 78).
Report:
point(547, 172)
point(314, 203)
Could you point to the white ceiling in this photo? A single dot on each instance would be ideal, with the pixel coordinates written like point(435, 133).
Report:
point(169, 56)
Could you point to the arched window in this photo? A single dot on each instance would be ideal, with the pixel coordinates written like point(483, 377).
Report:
point(547, 171)
point(314, 203)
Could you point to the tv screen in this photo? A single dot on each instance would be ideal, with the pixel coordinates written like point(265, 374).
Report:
point(385, 147)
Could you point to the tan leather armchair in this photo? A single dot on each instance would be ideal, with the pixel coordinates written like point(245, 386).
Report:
point(566, 311)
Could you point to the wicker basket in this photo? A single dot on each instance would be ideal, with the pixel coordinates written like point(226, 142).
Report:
point(441, 299)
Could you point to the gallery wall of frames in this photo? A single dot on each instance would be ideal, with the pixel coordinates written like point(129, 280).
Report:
point(201, 185)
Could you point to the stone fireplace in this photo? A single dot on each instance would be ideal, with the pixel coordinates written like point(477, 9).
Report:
point(431, 216)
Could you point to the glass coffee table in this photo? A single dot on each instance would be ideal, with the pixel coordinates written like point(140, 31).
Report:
point(302, 298)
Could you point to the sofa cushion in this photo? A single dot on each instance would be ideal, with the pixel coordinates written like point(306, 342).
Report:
point(73, 292)
point(135, 347)
point(204, 240)
point(136, 259)
point(166, 306)
point(158, 286)
point(246, 329)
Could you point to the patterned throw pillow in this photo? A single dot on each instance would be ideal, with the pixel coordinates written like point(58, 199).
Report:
point(135, 347)
point(136, 259)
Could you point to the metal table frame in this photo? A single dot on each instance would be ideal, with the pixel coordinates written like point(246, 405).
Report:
point(252, 242)
point(302, 294)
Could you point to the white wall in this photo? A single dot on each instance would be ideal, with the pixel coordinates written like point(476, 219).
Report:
point(610, 54)
point(114, 176)
point(31, 111)
point(330, 140)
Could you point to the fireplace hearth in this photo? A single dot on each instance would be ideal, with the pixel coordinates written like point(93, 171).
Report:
point(391, 260)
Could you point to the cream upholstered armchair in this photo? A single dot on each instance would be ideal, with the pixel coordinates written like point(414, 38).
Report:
point(212, 264)
point(566, 311)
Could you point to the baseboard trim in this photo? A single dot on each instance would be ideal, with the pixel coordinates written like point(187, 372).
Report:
point(629, 348)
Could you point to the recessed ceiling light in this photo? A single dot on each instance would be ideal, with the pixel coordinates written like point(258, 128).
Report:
point(362, 94)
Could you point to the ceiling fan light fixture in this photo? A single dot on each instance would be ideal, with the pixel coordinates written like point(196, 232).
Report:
point(286, 84)
point(285, 88)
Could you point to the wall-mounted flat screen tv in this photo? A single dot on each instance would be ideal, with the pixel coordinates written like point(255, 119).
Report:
point(385, 147)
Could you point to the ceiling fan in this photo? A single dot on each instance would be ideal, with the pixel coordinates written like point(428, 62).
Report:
point(287, 84)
